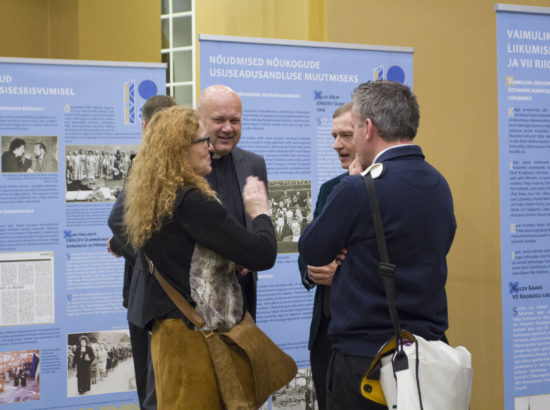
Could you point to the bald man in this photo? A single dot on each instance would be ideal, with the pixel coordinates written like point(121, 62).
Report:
point(220, 110)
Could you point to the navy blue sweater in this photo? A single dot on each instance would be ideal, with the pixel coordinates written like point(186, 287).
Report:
point(419, 224)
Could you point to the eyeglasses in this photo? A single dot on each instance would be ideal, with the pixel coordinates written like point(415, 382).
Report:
point(207, 139)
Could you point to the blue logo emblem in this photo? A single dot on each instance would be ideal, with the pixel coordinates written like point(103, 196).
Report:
point(396, 73)
point(378, 73)
point(147, 89)
point(514, 287)
point(129, 98)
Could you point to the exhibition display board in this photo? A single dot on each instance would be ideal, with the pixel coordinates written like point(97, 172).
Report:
point(289, 91)
point(523, 39)
point(67, 131)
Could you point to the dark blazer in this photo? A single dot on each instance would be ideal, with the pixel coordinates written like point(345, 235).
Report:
point(116, 223)
point(119, 244)
point(146, 300)
point(248, 164)
point(419, 224)
point(324, 192)
point(118, 248)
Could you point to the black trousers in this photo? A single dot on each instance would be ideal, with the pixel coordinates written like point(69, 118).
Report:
point(319, 358)
point(248, 286)
point(140, 349)
point(344, 383)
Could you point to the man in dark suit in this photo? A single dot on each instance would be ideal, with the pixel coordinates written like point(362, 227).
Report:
point(43, 161)
point(220, 110)
point(418, 217)
point(118, 246)
point(319, 343)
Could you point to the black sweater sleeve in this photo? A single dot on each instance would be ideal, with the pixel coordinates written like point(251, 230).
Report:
point(207, 223)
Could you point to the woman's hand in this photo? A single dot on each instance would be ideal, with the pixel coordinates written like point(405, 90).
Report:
point(255, 197)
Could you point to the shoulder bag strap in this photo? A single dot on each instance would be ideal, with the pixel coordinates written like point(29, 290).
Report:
point(386, 270)
point(182, 304)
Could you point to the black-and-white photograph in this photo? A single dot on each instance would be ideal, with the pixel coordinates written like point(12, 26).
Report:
point(29, 154)
point(19, 376)
point(96, 173)
point(99, 363)
point(535, 402)
point(299, 394)
point(290, 210)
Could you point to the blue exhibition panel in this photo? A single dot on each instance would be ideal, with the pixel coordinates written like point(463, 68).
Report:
point(57, 281)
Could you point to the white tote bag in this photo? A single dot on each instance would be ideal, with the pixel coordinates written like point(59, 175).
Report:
point(409, 372)
point(444, 379)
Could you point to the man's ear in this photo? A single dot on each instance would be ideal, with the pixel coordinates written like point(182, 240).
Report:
point(370, 129)
point(362, 132)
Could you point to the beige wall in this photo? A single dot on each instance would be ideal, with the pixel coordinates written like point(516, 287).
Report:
point(63, 29)
point(283, 19)
point(288, 19)
point(121, 30)
point(17, 39)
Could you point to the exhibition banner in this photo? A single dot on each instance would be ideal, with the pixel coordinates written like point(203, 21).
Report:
point(67, 130)
point(523, 45)
point(289, 91)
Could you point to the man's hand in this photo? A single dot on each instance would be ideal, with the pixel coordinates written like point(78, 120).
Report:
point(322, 275)
point(355, 168)
point(242, 270)
point(341, 257)
point(110, 250)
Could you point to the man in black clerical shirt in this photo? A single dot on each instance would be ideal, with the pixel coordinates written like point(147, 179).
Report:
point(220, 111)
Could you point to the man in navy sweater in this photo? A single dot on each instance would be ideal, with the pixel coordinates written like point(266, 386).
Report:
point(321, 276)
point(419, 223)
